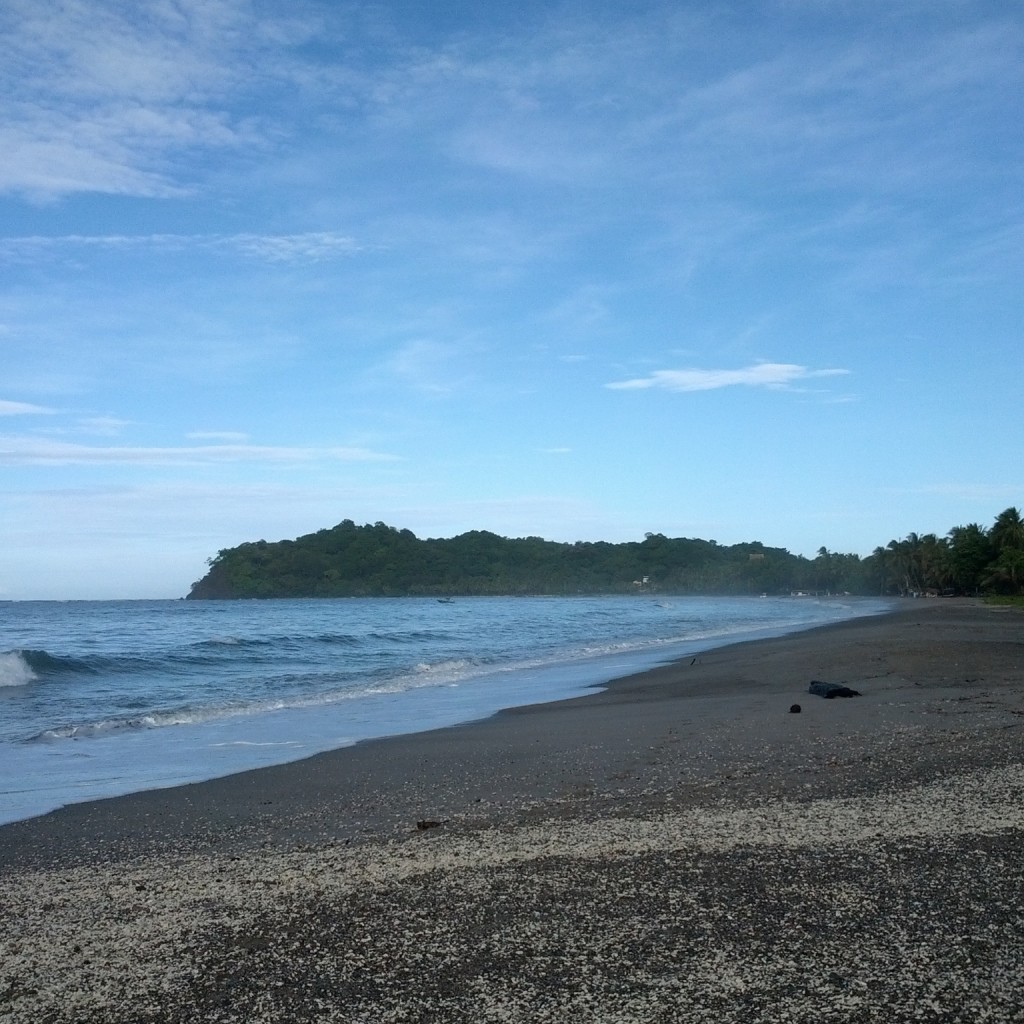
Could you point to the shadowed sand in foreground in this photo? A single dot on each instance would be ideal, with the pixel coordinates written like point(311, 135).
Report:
point(677, 847)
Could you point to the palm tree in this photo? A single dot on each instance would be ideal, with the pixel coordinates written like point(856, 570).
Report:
point(970, 551)
point(908, 563)
point(878, 564)
point(934, 562)
point(1008, 530)
point(1006, 574)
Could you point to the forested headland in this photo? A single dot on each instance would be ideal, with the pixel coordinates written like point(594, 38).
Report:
point(382, 561)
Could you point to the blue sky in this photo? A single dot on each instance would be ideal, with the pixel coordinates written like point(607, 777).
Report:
point(580, 271)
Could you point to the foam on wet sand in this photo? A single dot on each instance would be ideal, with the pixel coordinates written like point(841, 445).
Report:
point(676, 848)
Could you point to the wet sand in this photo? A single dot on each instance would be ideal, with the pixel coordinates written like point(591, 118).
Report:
point(676, 847)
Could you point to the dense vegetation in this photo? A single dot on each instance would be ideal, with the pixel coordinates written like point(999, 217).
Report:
point(968, 560)
point(380, 560)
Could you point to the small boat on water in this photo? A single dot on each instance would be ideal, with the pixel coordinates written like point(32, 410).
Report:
point(445, 600)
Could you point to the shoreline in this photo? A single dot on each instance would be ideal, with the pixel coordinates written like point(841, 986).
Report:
point(675, 728)
point(92, 751)
point(678, 846)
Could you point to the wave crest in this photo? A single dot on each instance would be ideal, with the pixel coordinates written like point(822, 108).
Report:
point(42, 663)
point(15, 669)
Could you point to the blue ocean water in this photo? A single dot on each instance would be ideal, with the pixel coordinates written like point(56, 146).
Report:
point(103, 698)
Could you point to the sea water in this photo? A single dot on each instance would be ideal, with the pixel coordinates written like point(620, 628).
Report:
point(99, 699)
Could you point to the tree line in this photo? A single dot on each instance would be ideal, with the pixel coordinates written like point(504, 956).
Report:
point(379, 560)
point(968, 560)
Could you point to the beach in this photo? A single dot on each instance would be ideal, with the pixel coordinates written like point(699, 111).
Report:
point(677, 846)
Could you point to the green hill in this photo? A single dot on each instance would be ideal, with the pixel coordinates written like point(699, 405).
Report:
point(382, 561)
point(379, 560)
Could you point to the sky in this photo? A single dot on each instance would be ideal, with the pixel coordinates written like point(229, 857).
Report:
point(580, 270)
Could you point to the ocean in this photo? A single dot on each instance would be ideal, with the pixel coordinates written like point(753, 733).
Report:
point(102, 698)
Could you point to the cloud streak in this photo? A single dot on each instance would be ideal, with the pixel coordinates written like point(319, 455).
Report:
point(28, 451)
point(23, 409)
point(303, 247)
point(773, 376)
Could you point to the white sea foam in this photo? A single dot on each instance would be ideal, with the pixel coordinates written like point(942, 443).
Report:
point(443, 671)
point(445, 674)
point(15, 670)
point(108, 726)
point(254, 743)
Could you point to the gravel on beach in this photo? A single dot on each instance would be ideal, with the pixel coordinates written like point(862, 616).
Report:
point(676, 848)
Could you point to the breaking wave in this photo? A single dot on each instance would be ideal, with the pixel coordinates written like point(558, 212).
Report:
point(15, 669)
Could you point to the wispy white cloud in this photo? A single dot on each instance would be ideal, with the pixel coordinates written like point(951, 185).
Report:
point(32, 451)
point(104, 97)
point(1010, 491)
point(304, 247)
point(775, 376)
point(99, 48)
point(308, 246)
point(584, 312)
point(24, 409)
point(226, 436)
point(425, 365)
point(121, 150)
point(103, 426)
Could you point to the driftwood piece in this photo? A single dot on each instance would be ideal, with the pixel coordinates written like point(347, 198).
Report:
point(830, 690)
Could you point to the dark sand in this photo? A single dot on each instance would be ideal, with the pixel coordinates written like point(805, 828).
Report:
point(677, 847)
